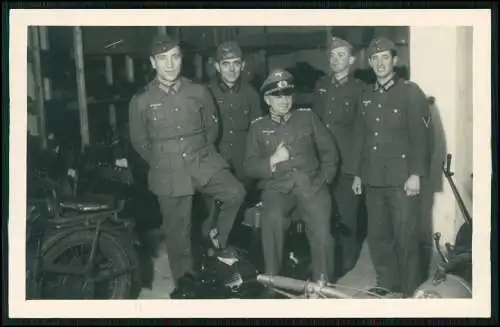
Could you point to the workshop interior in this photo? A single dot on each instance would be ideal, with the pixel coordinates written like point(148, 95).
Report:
point(84, 175)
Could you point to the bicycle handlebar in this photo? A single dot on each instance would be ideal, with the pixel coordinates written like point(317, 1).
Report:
point(296, 285)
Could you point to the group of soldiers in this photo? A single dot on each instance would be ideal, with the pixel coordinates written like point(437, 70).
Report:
point(218, 140)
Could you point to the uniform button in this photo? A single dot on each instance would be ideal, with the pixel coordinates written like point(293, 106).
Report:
point(184, 155)
point(230, 144)
point(333, 98)
point(395, 111)
point(176, 109)
point(376, 134)
point(178, 127)
point(403, 156)
point(374, 147)
point(377, 119)
point(182, 139)
point(379, 105)
point(294, 169)
point(330, 112)
point(291, 158)
point(347, 103)
point(230, 132)
point(327, 125)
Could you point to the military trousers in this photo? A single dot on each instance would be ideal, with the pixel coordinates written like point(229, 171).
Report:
point(234, 153)
point(346, 206)
point(393, 237)
point(316, 214)
point(177, 223)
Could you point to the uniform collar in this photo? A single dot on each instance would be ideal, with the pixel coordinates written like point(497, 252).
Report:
point(225, 88)
point(280, 119)
point(339, 81)
point(384, 88)
point(171, 88)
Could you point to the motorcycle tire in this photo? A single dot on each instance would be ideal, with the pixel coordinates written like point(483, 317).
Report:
point(108, 244)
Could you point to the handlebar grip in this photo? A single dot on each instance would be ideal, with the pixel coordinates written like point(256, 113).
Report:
point(282, 282)
point(448, 162)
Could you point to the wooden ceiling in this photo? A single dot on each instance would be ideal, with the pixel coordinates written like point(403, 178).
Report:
point(135, 40)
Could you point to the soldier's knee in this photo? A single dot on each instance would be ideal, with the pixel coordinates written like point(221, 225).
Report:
point(234, 193)
point(272, 216)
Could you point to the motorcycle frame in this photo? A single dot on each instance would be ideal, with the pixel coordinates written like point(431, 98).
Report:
point(103, 221)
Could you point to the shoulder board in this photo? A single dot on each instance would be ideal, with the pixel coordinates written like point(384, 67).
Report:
point(256, 120)
point(304, 109)
point(408, 82)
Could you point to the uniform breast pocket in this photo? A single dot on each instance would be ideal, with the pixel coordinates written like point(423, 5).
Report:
point(241, 118)
point(268, 142)
point(394, 117)
point(194, 114)
point(303, 139)
point(155, 115)
point(346, 111)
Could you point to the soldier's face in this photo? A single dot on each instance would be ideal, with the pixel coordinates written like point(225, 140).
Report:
point(168, 64)
point(340, 59)
point(230, 69)
point(280, 103)
point(382, 63)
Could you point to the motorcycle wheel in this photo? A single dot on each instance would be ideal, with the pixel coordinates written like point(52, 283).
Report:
point(110, 254)
point(453, 287)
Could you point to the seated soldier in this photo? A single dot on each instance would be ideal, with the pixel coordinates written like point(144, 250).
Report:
point(294, 158)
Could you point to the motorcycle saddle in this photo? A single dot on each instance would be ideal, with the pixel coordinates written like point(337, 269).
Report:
point(88, 203)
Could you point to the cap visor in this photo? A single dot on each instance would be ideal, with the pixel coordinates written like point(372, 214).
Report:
point(288, 91)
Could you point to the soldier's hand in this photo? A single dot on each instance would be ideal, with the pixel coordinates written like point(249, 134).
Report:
point(281, 154)
point(357, 186)
point(412, 185)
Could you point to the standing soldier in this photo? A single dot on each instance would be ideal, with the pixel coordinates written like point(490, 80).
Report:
point(173, 126)
point(238, 103)
point(390, 157)
point(294, 158)
point(337, 96)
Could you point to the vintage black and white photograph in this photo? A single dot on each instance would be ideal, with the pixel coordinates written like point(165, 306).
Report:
point(212, 161)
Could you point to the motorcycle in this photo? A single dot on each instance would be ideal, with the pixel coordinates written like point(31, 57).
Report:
point(453, 276)
point(62, 218)
point(78, 248)
point(292, 288)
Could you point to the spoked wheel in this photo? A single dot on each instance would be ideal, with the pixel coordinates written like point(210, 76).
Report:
point(66, 273)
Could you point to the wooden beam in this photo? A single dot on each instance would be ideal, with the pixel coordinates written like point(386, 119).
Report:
point(129, 68)
point(39, 90)
point(109, 81)
point(80, 82)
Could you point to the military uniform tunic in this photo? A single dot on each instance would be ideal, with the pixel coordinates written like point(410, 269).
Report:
point(175, 130)
point(175, 133)
point(391, 141)
point(337, 103)
point(238, 106)
point(301, 181)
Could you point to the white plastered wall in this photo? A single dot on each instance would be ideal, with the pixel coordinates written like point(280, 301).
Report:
point(441, 64)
